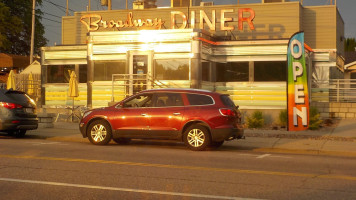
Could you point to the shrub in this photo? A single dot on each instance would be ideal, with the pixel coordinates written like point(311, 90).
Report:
point(283, 117)
point(256, 121)
point(314, 119)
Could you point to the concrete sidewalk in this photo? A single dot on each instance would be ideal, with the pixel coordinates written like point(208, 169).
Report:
point(338, 139)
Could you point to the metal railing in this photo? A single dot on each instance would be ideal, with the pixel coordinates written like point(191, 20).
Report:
point(334, 90)
point(132, 83)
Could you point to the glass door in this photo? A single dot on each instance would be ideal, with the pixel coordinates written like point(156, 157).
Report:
point(140, 69)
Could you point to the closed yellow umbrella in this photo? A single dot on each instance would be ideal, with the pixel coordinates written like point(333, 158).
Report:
point(11, 81)
point(73, 91)
point(73, 85)
point(30, 84)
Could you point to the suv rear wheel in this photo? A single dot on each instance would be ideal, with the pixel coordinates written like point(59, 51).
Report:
point(99, 132)
point(197, 137)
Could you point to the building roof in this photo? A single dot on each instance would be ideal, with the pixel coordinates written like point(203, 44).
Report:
point(350, 60)
point(350, 57)
point(10, 60)
point(35, 68)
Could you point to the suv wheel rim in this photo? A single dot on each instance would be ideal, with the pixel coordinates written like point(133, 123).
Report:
point(196, 137)
point(98, 133)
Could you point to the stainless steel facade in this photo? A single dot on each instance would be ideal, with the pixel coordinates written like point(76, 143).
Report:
point(208, 53)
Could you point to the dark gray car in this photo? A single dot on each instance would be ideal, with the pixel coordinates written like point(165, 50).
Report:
point(17, 112)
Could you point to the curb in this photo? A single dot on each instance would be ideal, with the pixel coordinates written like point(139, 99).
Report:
point(306, 152)
point(302, 136)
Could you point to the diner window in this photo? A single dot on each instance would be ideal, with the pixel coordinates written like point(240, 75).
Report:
point(59, 73)
point(270, 71)
point(172, 69)
point(103, 70)
point(205, 71)
point(232, 71)
point(83, 73)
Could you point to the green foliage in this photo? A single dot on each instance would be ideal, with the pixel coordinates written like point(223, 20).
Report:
point(16, 27)
point(283, 117)
point(256, 120)
point(350, 44)
point(8, 25)
point(314, 119)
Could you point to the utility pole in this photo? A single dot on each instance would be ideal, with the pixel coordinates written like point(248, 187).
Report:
point(33, 30)
point(67, 8)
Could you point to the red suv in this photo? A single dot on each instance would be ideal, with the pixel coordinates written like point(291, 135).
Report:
point(199, 118)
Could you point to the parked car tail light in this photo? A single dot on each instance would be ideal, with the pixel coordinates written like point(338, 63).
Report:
point(10, 105)
point(227, 112)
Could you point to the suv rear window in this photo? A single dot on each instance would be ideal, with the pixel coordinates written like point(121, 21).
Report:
point(198, 99)
point(16, 96)
point(227, 101)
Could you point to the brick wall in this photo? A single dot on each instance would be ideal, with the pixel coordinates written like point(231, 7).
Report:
point(336, 110)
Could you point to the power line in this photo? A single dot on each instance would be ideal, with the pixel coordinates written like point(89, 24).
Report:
point(52, 15)
point(55, 32)
point(51, 20)
point(59, 6)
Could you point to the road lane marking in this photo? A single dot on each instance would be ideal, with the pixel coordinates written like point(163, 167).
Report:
point(263, 156)
point(241, 171)
point(257, 156)
point(45, 143)
point(123, 189)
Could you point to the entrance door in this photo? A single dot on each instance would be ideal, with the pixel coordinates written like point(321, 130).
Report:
point(140, 69)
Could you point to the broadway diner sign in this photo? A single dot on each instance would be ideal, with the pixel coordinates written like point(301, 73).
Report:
point(95, 21)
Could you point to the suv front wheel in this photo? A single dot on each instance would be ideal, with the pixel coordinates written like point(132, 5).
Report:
point(197, 137)
point(99, 132)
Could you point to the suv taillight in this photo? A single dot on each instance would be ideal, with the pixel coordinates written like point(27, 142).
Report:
point(10, 105)
point(227, 112)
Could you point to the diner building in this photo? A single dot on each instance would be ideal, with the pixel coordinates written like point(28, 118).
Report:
point(239, 49)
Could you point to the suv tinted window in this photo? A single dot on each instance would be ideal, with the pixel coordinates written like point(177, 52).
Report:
point(198, 99)
point(227, 101)
point(15, 96)
point(143, 100)
point(168, 99)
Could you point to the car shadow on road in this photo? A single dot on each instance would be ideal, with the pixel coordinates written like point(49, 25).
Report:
point(4, 135)
point(167, 144)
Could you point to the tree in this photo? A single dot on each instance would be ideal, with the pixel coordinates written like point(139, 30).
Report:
point(9, 25)
point(15, 29)
point(350, 44)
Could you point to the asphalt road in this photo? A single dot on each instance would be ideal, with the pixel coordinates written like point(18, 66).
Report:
point(41, 169)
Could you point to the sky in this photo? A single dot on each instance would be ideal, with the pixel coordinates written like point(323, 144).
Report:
point(55, 9)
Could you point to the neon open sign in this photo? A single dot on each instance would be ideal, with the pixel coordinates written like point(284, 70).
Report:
point(298, 98)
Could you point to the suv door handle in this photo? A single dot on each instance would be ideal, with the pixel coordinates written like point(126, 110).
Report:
point(176, 113)
point(144, 114)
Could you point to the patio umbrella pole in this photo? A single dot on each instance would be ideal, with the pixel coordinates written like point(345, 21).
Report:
point(73, 109)
point(73, 92)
